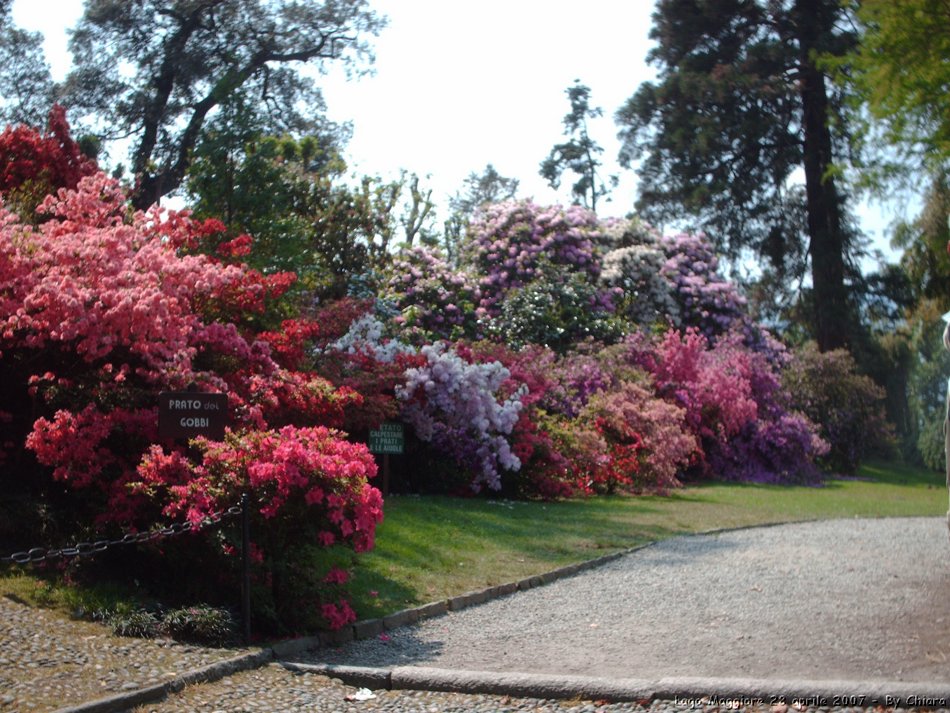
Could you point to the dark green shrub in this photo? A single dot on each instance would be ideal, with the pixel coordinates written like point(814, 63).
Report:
point(139, 623)
point(200, 624)
point(847, 407)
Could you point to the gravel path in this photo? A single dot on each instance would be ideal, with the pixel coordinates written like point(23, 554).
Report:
point(865, 600)
point(835, 600)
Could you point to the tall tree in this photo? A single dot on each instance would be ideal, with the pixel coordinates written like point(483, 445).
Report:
point(26, 86)
point(478, 190)
point(580, 153)
point(154, 71)
point(740, 106)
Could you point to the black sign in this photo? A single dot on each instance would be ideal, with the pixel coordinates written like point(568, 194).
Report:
point(189, 414)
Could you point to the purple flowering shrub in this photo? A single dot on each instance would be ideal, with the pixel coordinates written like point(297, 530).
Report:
point(733, 402)
point(508, 243)
point(848, 406)
point(706, 300)
point(460, 408)
point(431, 295)
point(575, 379)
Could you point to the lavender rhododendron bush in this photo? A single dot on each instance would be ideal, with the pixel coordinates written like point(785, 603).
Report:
point(102, 309)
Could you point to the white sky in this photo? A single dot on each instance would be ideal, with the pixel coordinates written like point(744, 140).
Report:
point(460, 84)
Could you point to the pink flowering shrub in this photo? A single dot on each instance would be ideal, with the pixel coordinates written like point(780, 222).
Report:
point(34, 165)
point(309, 491)
point(646, 437)
point(101, 308)
point(732, 401)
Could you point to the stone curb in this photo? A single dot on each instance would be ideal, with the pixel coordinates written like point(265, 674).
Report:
point(150, 694)
point(696, 692)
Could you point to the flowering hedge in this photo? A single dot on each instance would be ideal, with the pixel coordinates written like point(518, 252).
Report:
point(101, 309)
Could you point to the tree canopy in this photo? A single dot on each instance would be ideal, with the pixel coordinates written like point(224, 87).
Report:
point(738, 108)
point(26, 87)
point(155, 71)
point(899, 72)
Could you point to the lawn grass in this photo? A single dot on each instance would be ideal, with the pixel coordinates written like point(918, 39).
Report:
point(430, 547)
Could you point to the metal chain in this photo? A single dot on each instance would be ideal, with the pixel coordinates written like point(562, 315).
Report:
point(84, 549)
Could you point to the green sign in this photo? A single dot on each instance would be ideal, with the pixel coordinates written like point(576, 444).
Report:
point(388, 439)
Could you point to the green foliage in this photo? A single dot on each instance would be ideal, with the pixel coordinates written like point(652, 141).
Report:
point(932, 444)
point(139, 623)
point(557, 310)
point(200, 624)
point(925, 259)
point(292, 197)
point(26, 87)
point(927, 384)
point(847, 406)
point(899, 72)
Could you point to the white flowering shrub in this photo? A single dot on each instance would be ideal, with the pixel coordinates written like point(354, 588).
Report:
point(459, 407)
point(366, 337)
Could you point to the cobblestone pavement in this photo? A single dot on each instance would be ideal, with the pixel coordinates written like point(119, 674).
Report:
point(48, 661)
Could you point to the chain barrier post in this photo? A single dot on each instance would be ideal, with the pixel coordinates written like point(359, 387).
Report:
point(246, 568)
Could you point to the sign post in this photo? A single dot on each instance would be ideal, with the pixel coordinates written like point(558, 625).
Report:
point(388, 438)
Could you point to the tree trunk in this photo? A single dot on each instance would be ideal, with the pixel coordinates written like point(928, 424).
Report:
point(826, 239)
